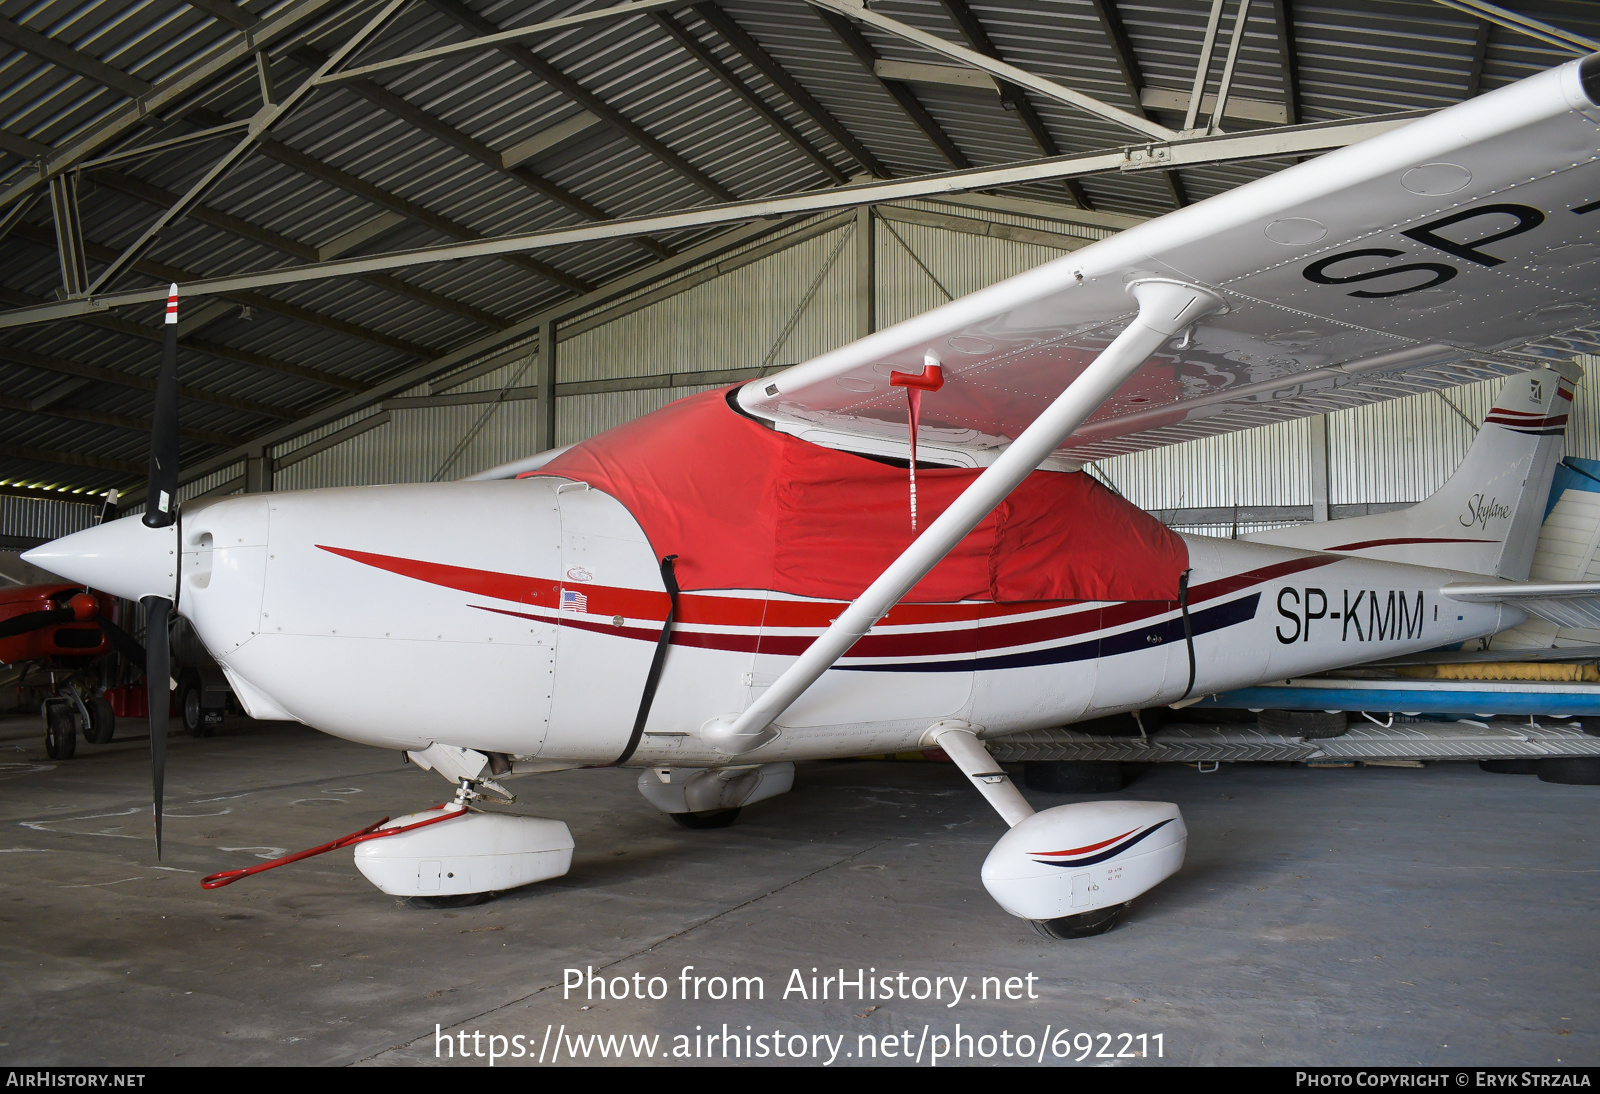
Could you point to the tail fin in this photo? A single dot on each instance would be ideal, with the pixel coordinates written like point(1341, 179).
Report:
point(1486, 519)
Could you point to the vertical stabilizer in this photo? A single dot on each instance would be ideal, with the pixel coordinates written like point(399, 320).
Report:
point(1486, 518)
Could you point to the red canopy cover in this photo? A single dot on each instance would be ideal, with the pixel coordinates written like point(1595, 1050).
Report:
point(746, 507)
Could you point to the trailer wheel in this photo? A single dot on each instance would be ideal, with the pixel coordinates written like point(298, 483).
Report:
point(60, 732)
point(706, 818)
point(1310, 724)
point(1571, 770)
point(1510, 767)
point(102, 722)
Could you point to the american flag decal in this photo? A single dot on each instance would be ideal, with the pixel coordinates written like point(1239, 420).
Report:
point(573, 601)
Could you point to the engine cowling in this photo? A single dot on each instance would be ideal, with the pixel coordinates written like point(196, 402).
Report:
point(1076, 858)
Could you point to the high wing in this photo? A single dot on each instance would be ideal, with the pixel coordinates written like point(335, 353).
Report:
point(1461, 246)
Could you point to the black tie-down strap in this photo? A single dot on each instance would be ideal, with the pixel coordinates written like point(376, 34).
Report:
point(670, 580)
point(1188, 628)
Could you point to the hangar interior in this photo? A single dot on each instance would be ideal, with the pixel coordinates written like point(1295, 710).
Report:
point(419, 239)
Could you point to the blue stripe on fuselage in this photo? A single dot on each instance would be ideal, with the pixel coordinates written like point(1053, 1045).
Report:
point(1140, 638)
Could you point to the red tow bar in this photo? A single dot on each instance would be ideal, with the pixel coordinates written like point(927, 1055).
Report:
point(371, 831)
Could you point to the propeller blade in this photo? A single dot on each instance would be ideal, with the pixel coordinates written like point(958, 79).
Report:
point(32, 621)
point(157, 678)
point(124, 642)
point(161, 497)
point(108, 508)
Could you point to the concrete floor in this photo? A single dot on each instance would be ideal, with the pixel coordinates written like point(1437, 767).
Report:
point(1365, 916)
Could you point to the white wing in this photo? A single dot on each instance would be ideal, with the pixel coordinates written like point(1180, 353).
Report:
point(1461, 246)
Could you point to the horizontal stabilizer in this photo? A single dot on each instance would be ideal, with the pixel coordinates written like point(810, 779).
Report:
point(1564, 603)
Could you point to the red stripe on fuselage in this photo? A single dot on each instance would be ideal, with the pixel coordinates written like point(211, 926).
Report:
point(1366, 543)
point(970, 628)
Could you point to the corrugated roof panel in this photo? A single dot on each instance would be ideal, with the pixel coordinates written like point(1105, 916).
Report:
point(1354, 57)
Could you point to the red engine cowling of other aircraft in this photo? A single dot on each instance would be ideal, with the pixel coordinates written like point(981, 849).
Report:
point(79, 638)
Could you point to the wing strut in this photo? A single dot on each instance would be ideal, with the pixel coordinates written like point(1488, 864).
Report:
point(1165, 308)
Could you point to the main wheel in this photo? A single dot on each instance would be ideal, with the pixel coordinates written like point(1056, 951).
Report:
point(1571, 770)
point(1076, 776)
point(60, 732)
point(1510, 767)
point(706, 818)
point(102, 722)
point(455, 900)
point(1310, 724)
point(1082, 925)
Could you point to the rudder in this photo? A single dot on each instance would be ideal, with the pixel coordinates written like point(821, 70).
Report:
point(1486, 518)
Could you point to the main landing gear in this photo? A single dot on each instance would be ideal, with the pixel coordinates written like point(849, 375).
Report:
point(711, 797)
point(1072, 870)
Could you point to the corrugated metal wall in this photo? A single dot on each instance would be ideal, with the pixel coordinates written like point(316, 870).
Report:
point(753, 316)
point(44, 518)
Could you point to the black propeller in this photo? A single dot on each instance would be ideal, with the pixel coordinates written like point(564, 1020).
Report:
point(161, 511)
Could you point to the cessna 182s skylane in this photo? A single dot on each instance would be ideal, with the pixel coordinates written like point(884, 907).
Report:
point(733, 583)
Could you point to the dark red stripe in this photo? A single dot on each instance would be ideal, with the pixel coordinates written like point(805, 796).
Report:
point(1364, 544)
point(965, 642)
point(1533, 421)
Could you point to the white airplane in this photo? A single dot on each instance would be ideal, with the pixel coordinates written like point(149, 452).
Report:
point(737, 582)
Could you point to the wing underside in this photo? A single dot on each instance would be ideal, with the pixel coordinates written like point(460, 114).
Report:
point(1461, 247)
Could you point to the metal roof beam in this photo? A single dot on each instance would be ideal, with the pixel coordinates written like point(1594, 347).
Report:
point(69, 459)
point(239, 17)
point(1190, 152)
point(64, 56)
point(972, 29)
point(863, 52)
point(419, 118)
point(497, 38)
point(45, 362)
point(1288, 58)
point(115, 421)
point(309, 165)
point(1547, 33)
point(1132, 77)
point(227, 12)
point(594, 104)
point(170, 93)
point(155, 195)
point(700, 52)
point(164, 273)
point(974, 226)
point(748, 48)
point(1480, 56)
point(995, 67)
point(208, 349)
point(264, 119)
point(1047, 210)
point(487, 344)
